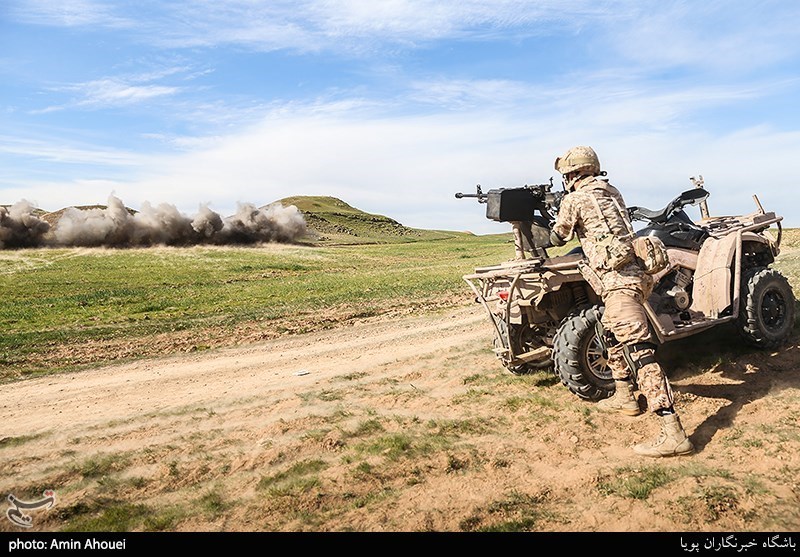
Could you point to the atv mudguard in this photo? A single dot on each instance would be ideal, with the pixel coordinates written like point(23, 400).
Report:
point(713, 291)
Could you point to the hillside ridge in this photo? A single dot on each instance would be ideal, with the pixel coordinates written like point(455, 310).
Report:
point(332, 220)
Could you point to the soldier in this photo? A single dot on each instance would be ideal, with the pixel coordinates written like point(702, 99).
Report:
point(595, 211)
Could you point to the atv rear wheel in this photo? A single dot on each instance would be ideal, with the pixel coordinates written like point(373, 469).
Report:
point(523, 339)
point(579, 358)
point(767, 306)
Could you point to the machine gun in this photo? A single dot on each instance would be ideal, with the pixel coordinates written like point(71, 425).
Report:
point(519, 206)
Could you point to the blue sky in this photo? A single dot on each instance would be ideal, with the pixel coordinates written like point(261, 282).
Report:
point(395, 105)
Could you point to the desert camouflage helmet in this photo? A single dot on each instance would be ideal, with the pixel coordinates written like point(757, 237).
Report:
point(579, 159)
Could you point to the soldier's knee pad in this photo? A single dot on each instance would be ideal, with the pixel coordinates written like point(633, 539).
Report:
point(640, 355)
point(643, 353)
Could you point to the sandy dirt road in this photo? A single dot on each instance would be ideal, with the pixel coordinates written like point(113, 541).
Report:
point(272, 371)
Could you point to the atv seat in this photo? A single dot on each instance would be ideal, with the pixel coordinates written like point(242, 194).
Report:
point(689, 197)
point(640, 213)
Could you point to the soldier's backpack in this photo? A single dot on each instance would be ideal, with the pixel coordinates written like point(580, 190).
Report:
point(617, 251)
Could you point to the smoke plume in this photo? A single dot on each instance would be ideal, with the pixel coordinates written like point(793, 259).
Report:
point(117, 226)
point(20, 227)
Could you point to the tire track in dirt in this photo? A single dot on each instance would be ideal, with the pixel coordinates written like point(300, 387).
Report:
point(122, 392)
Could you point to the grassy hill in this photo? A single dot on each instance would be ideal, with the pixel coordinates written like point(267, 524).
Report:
point(332, 221)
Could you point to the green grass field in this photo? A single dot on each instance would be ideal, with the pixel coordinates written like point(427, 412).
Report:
point(55, 299)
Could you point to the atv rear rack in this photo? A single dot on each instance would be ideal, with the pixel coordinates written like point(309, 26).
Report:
point(508, 276)
point(509, 273)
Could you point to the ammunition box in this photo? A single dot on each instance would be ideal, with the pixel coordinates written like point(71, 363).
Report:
point(510, 204)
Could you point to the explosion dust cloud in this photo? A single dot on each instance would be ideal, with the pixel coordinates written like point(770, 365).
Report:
point(117, 226)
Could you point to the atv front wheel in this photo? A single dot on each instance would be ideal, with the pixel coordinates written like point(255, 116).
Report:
point(766, 314)
point(579, 358)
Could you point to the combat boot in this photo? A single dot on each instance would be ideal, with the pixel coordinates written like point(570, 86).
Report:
point(672, 441)
point(622, 400)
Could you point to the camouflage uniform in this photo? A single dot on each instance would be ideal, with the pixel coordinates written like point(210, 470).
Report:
point(594, 211)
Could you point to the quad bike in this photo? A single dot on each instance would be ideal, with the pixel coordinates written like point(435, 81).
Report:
point(545, 314)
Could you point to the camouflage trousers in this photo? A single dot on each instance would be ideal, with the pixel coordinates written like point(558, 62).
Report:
point(625, 317)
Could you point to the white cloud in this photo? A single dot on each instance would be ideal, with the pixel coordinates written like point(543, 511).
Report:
point(104, 92)
point(310, 25)
point(463, 93)
point(657, 34)
point(63, 151)
point(69, 13)
point(714, 35)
